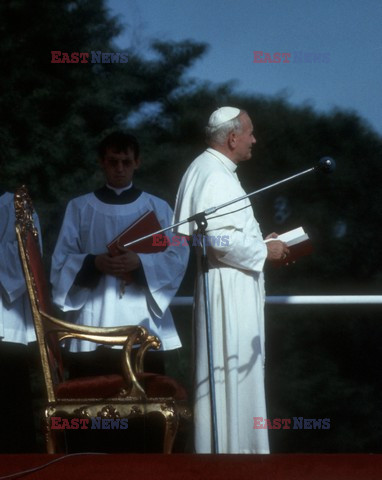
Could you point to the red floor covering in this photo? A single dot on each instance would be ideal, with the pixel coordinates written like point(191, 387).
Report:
point(187, 467)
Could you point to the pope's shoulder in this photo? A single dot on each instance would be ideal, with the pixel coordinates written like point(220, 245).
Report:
point(206, 160)
point(206, 168)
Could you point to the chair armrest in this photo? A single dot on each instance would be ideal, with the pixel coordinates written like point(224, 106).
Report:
point(150, 342)
point(71, 328)
point(126, 336)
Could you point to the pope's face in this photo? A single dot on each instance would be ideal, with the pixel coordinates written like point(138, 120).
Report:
point(119, 167)
point(244, 140)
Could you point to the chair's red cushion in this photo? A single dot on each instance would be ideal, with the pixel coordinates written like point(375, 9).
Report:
point(109, 386)
point(37, 271)
point(162, 386)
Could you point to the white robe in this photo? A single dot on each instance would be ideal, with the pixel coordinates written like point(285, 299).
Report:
point(16, 324)
point(89, 225)
point(237, 309)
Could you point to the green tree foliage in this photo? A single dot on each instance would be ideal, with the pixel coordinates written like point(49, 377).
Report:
point(53, 114)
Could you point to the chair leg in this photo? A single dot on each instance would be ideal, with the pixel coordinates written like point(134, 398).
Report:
point(50, 436)
point(171, 427)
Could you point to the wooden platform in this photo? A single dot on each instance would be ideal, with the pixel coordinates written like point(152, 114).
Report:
point(191, 467)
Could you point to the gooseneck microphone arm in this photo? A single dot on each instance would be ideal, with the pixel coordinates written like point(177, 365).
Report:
point(211, 210)
point(325, 165)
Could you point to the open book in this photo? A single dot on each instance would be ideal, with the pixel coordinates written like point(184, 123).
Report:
point(298, 242)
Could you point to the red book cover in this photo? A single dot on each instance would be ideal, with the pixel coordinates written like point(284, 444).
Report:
point(146, 224)
point(298, 250)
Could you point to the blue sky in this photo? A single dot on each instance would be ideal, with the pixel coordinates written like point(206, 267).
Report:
point(347, 33)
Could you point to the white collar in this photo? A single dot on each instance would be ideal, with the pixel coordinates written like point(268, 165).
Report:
point(118, 191)
point(225, 160)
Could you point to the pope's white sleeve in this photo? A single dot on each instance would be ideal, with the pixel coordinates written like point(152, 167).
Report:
point(237, 249)
point(233, 231)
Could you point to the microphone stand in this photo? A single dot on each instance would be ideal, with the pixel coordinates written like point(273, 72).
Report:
point(201, 221)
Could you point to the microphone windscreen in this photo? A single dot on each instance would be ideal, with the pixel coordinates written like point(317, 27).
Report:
point(326, 165)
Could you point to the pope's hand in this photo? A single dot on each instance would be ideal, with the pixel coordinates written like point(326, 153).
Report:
point(277, 250)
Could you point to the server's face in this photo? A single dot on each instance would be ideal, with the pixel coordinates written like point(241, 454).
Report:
point(119, 167)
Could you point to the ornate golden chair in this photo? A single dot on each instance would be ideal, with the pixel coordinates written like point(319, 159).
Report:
point(134, 393)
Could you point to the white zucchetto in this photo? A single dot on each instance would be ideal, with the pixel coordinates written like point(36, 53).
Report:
point(222, 115)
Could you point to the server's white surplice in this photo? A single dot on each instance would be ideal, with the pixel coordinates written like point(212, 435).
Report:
point(237, 308)
point(89, 225)
point(16, 324)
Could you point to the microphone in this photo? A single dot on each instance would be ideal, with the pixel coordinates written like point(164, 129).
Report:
point(326, 165)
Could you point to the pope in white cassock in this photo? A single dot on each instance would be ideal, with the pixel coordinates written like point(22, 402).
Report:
point(87, 280)
point(236, 289)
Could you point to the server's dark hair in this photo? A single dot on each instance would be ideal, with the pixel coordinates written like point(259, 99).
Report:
point(118, 142)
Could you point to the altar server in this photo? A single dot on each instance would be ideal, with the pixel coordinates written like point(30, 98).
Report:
point(88, 282)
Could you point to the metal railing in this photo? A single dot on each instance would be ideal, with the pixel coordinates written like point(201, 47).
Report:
point(305, 300)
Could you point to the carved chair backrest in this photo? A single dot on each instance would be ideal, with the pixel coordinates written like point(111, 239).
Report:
point(38, 290)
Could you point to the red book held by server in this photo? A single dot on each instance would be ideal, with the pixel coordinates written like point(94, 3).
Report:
point(146, 224)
